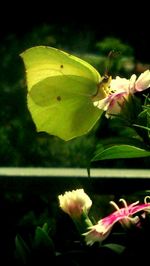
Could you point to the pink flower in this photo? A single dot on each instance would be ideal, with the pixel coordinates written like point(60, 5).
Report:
point(101, 230)
point(75, 202)
point(119, 91)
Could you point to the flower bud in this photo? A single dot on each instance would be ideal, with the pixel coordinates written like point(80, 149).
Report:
point(75, 202)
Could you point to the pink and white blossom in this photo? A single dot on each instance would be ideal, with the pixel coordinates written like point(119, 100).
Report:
point(100, 231)
point(119, 91)
point(75, 202)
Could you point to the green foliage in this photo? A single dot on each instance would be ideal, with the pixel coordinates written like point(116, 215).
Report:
point(41, 248)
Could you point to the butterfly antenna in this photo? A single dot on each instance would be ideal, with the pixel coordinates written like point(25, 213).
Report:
point(111, 55)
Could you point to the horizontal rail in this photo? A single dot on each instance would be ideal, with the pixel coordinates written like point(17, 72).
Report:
point(58, 180)
point(74, 172)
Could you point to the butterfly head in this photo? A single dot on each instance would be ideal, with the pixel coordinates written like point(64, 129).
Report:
point(103, 88)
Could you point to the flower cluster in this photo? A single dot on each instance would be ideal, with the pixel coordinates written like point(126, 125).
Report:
point(77, 201)
point(119, 90)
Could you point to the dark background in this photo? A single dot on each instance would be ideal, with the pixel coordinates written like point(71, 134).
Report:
point(121, 19)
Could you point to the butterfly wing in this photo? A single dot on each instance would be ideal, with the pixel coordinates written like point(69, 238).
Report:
point(60, 91)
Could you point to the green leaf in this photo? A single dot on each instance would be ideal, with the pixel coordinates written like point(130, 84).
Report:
point(45, 227)
point(61, 88)
point(120, 151)
point(146, 128)
point(115, 247)
point(42, 239)
point(22, 250)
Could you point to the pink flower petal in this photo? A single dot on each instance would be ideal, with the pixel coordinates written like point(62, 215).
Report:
point(102, 229)
point(143, 82)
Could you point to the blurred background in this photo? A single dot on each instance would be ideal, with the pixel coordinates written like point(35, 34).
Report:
point(89, 31)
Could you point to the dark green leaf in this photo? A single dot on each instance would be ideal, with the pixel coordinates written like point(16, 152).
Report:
point(120, 151)
point(115, 247)
point(22, 250)
point(146, 128)
point(45, 227)
point(42, 239)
